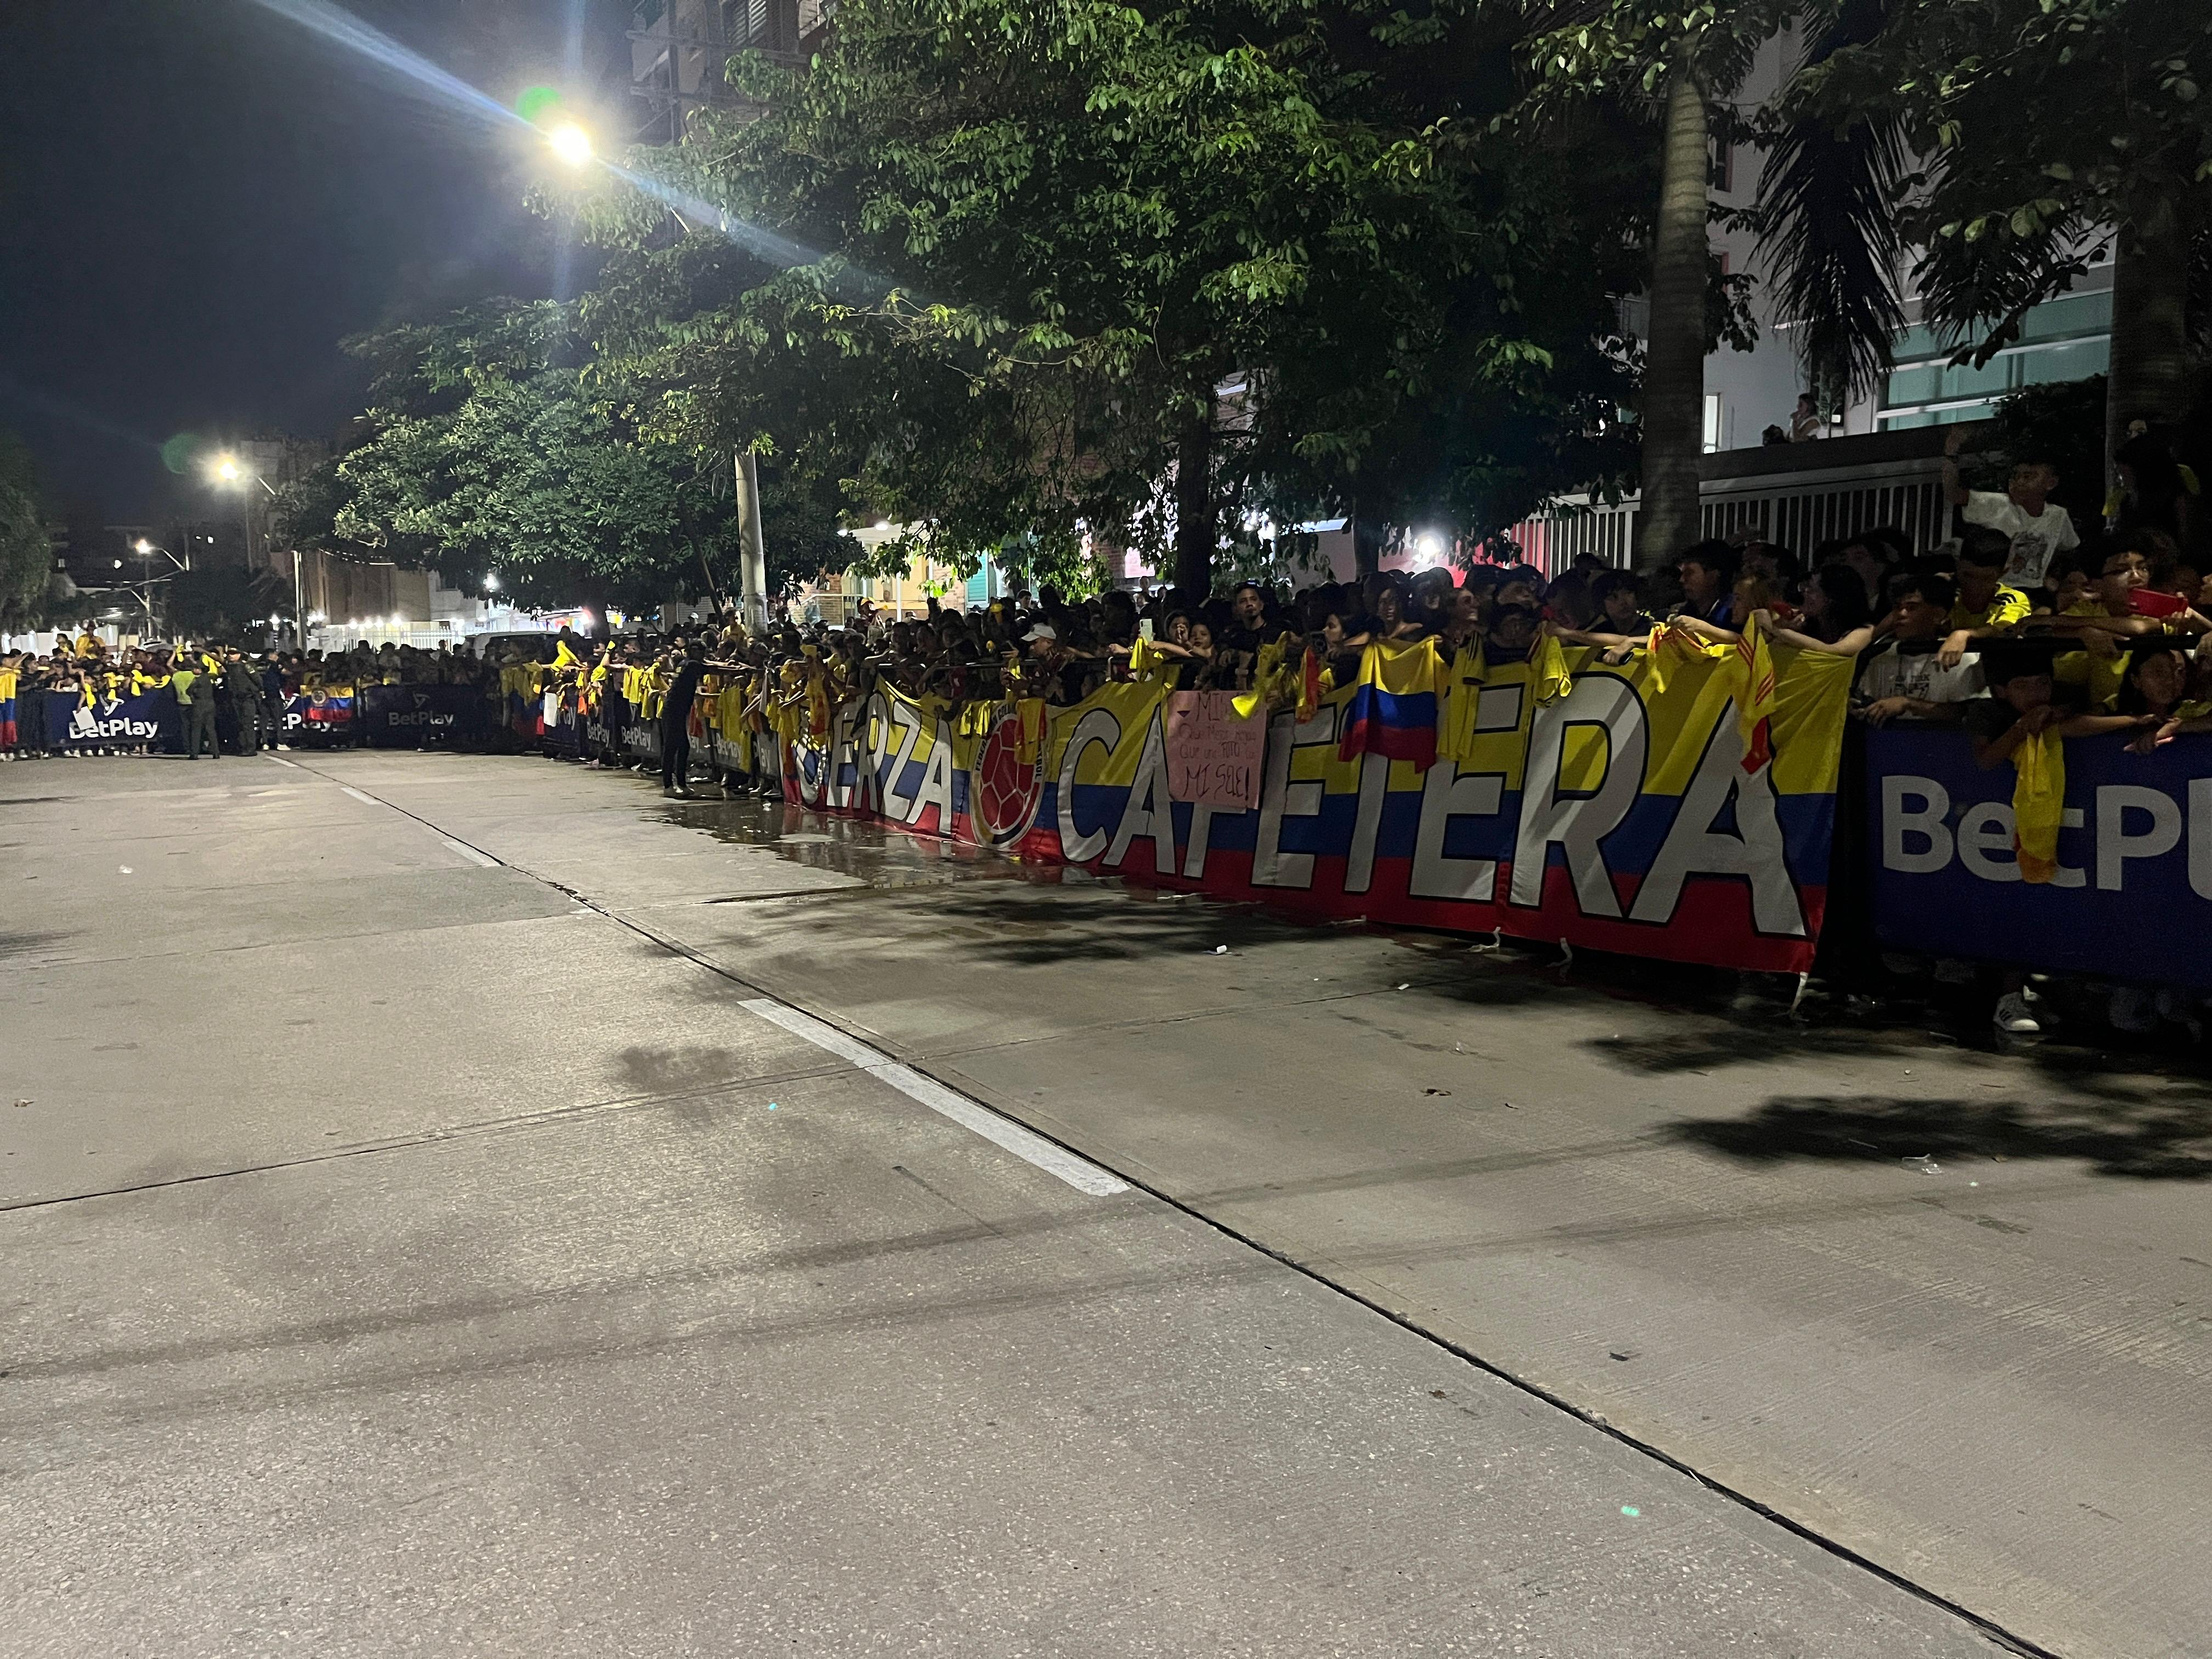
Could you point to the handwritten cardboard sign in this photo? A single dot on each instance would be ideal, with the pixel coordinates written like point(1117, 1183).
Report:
point(1213, 755)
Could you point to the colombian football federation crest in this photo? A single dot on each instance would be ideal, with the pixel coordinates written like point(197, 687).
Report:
point(1005, 790)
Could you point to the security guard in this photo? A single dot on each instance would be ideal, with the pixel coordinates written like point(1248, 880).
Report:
point(244, 687)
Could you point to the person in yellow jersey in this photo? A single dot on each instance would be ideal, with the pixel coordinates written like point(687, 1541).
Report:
point(2108, 617)
point(1984, 606)
point(195, 693)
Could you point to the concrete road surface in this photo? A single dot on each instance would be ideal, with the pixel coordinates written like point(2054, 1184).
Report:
point(468, 1205)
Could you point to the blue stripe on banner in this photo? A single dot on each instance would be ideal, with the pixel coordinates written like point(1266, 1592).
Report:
point(1807, 823)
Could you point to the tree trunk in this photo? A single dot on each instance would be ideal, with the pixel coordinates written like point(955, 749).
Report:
point(2149, 377)
point(1672, 414)
point(1366, 545)
point(1195, 531)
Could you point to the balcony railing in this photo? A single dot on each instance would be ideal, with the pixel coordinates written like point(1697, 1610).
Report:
point(1796, 494)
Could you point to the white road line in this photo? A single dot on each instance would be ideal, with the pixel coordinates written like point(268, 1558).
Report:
point(1079, 1173)
point(820, 1034)
point(295, 765)
point(365, 800)
point(468, 852)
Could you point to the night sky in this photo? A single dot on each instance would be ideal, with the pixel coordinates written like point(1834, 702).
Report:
point(199, 199)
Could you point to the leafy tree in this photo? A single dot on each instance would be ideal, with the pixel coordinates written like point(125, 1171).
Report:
point(490, 450)
point(2053, 135)
point(1054, 235)
point(225, 603)
point(26, 555)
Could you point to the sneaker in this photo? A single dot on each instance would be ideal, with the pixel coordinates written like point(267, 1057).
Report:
point(2134, 1009)
point(2012, 1015)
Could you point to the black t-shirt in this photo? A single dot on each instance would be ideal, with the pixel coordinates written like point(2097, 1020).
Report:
point(1988, 719)
point(676, 710)
point(1238, 637)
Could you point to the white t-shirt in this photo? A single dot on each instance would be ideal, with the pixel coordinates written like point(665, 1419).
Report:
point(1896, 673)
point(2035, 541)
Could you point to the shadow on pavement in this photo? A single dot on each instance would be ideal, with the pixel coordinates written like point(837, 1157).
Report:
point(2163, 1139)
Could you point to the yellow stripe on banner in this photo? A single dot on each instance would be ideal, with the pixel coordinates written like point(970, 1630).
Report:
point(1133, 706)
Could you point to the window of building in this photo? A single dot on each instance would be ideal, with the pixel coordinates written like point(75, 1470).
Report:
point(2068, 338)
point(1712, 421)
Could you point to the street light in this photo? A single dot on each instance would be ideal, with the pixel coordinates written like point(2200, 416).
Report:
point(571, 144)
point(228, 471)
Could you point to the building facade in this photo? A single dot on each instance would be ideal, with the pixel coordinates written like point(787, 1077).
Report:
point(2067, 338)
point(680, 53)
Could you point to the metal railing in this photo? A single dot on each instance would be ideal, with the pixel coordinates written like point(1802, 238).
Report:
point(1796, 494)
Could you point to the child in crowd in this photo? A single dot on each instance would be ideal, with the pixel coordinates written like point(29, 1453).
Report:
point(1907, 678)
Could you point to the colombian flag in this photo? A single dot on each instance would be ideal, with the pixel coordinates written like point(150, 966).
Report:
point(7, 708)
point(1394, 701)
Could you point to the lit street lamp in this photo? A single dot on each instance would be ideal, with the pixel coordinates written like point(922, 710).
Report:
point(571, 144)
point(228, 472)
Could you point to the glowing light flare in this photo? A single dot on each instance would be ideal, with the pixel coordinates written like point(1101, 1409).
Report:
point(571, 144)
point(336, 24)
point(333, 23)
point(705, 215)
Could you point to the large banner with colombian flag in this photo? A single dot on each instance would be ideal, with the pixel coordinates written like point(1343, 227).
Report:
point(1678, 805)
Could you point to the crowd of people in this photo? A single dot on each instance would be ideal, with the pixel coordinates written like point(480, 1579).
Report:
point(2010, 631)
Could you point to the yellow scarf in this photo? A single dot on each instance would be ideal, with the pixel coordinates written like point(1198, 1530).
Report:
point(818, 706)
point(1148, 661)
point(1030, 734)
point(1547, 671)
point(2038, 802)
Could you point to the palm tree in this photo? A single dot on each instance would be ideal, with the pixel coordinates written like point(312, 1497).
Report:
point(1672, 412)
point(1827, 223)
point(2016, 144)
point(1674, 65)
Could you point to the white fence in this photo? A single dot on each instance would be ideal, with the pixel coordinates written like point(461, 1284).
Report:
point(1796, 494)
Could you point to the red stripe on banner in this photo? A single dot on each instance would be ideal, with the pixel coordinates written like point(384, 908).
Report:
point(1711, 925)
